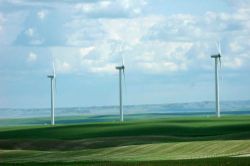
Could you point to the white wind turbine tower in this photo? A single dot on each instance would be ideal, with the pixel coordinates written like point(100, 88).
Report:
point(52, 91)
point(121, 69)
point(217, 60)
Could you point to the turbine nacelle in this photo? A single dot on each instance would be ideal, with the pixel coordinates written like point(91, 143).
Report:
point(216, 56)
point(120, 67)
point(51, 76)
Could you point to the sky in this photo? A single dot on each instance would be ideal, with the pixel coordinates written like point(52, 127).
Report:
point(166, 46)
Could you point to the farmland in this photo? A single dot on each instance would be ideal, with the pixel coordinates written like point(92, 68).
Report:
point(179, 140)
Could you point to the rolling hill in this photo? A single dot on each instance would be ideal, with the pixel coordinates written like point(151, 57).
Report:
point(142, 141)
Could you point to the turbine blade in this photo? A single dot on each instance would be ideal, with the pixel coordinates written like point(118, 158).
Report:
point(220, 62)
point(221, 78)
point(123, 70)
point(121, 52)
point(219, 50)
point(218, 47)
point(54, 73)
point(55, 84)
point(122, 61)
point(54, 69)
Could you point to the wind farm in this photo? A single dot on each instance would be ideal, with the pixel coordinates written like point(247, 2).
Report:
point(124, 83)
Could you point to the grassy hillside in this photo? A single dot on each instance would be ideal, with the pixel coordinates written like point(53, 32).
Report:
point(144, 140)
point(180, 127)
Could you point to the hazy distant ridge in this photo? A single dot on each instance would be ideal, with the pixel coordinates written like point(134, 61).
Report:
point(174, 108)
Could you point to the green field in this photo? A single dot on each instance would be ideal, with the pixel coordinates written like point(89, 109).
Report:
point(166, 141)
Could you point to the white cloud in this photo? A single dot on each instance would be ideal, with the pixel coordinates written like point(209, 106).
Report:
point(82, 30)
point(111, 9)
point(105, 4)
point(107, 68)
point(159, 57)
point(2, 20)
point(42, 14)
point(63, 67)
point(233, 63)
point(235, 47)
point(75, 60)
point(156, 43)
point(128, 4)
point(11, 24)
point(160, 67)
point(232, 29)
point(32, 57)
point(86, 50)
point(154, 57)
point(129, 30)
point(30, 32)
point(153, 43)
point(34, 37)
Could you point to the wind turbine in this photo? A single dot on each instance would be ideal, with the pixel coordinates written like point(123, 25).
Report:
point(121, 70)
point(52, 86)
point(217, 60)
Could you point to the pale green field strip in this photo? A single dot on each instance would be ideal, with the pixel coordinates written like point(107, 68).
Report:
point(161, 151)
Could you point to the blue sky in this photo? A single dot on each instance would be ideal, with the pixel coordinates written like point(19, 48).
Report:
point(166, 45)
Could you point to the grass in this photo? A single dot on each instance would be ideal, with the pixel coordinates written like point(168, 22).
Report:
point(135, 142)
point(179, 127)
point(224, 161)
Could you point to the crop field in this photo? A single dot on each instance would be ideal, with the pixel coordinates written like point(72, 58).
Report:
point(188, 141)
